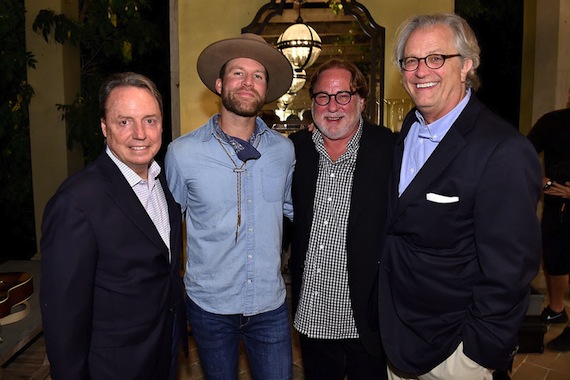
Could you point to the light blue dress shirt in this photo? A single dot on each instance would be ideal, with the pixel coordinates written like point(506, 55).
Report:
point(422, 139)
point(224, 275)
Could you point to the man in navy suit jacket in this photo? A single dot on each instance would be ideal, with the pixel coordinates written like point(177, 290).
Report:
point(111, 291)
point(463, 237)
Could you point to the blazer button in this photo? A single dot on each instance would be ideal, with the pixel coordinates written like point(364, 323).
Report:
point(171, 310)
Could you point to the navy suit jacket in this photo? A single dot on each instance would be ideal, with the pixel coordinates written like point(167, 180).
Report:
point(366, 221)
point(108, 293)
point(462, 247)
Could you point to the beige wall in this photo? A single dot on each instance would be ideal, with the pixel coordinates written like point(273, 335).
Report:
point(527, 69)
point(552, 56)
point(200, 26)
point(546, 78)
point(390, 14)
point(55, 80)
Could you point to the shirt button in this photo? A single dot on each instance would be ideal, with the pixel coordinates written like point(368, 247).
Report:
point(249, 257)
point(326, 222)
point(329, 199)
point(332, 175)
point(249, 201)
point(319, 270)
point(249, 281)
point(250, 229)
point(321, 246)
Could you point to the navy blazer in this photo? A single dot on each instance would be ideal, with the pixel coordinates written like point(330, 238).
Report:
point(108, 293)
point(366, 221)
point(462, 247)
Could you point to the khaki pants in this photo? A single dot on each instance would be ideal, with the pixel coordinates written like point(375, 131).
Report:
point(456, 366)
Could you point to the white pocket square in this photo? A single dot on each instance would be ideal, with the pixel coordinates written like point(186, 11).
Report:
point(437, 198)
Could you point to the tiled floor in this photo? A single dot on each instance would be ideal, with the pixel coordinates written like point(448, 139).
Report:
point(549, 365)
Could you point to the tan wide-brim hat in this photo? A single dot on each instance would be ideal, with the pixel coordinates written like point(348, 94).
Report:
point(248, 45)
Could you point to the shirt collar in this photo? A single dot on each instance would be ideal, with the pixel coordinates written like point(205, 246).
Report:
point(437, 130)
point(129, 174)
point(260, 127)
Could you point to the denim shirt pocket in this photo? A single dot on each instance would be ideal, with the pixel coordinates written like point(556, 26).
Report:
point(273, 180)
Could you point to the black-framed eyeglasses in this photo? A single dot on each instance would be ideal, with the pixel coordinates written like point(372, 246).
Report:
point(433, 61)
point(341, 97)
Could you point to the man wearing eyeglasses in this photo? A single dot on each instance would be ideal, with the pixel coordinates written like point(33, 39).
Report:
point(463, 238)
point(339, 195)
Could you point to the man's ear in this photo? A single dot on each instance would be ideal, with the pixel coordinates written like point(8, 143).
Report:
point(467, 65)
point(104, 127)
point(361, 102)
point(219, 86)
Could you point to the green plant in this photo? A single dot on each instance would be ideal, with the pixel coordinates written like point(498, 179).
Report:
point(335, 6)
point(113, 35)
point(16, 200)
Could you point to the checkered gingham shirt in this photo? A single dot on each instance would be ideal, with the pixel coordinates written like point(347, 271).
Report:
point(325, 310)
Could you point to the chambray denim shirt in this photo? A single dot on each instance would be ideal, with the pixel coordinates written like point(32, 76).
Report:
point(225, 276)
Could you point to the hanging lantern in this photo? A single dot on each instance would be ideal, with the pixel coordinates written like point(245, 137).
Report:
point(299, 79)
point(301, 44)
point(285, 100)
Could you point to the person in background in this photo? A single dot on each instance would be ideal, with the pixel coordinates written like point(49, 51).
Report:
point(232, 177)
point(463, 237)
point(111, 291)
point(551, 135)
point(339, 199)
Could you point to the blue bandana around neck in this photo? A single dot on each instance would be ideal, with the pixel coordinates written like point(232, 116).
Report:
point(244, 149)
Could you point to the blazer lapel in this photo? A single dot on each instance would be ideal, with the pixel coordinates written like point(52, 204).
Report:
point(435, 165)
point(174, 215)
point(126, 200)
point(308, 172)
point(364, 170)
point(440, 159)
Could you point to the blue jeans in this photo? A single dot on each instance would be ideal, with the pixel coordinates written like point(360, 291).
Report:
point(266, 337)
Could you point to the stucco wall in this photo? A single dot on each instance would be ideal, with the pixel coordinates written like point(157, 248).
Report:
point(55, 80)
point(546, 78)
point(200, 26)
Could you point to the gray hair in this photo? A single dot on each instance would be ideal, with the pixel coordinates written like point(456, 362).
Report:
point(126, 79)
point(465, 40)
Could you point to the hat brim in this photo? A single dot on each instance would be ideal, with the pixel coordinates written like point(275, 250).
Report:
point(216, 55)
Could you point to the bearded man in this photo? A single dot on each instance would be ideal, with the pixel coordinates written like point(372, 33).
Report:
point(232, 178)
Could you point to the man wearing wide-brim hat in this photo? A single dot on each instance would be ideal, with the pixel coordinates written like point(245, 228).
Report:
point(232, 177)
